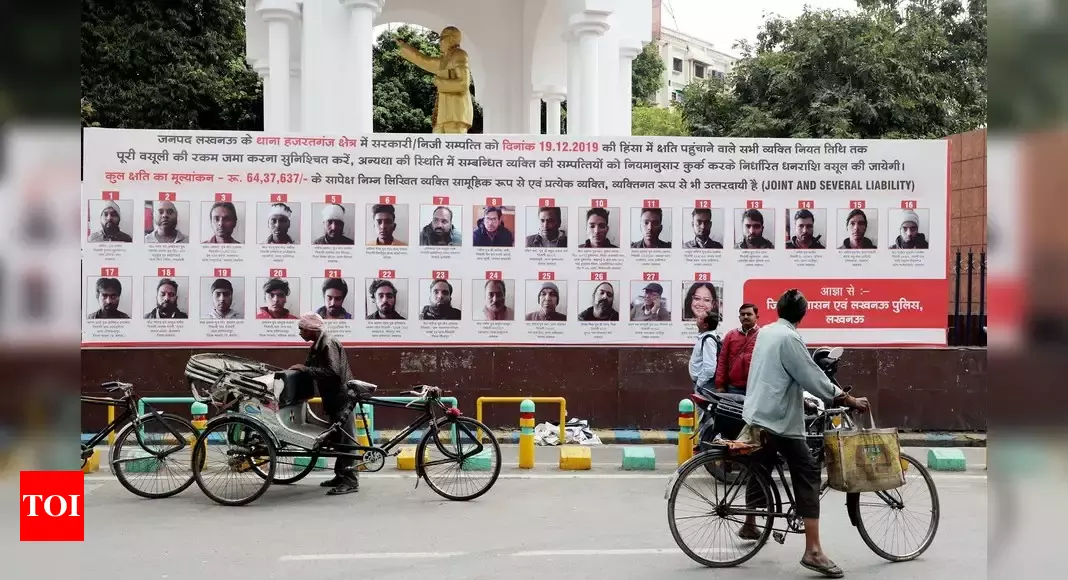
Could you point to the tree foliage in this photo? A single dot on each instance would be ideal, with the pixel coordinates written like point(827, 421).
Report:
point(167, 64)
point(404, 93)
point(652, 121)
point(648, 76)
point(895, 69)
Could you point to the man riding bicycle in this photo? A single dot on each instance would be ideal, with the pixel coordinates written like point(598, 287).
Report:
point(780, 370)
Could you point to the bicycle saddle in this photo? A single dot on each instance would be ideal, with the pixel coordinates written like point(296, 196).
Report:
point(360, 389)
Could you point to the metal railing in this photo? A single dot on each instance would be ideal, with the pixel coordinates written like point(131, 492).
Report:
point(968, 328)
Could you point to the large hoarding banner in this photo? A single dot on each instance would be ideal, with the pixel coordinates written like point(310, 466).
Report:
point(201, 239)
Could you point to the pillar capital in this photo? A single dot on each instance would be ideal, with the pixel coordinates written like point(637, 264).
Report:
point(375, 6)
point(553, 94)
point(629, 49)
point(260, 66)
point(589, 22)
point(287, 10)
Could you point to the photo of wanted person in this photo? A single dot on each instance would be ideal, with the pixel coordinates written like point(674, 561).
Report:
point(859, 228)
point(600, 301)
point(389, 224)
point(106, 300)
point(805, 229)
point(162, 219)
point(386, 299)
point(653, 225)
point(547, 302)
point(108, 215)
point(549, 222)
point(170, 297)
point(700, 298)
point(278, 294)
point(441, 225)
point(912, 223)
point(650, 302)
point(441, 299)
point(279, 222)
point(499, 299)
point(707, 225)
point(338, 222)
point(601, 226)
point(494, 226)
point(754, 233)
point(222, 298)
point(224, 224)
point(334, 291)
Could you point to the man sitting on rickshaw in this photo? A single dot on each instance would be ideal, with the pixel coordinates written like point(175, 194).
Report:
point(328, 367)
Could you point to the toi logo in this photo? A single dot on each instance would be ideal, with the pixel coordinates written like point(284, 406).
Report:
point(52, 506)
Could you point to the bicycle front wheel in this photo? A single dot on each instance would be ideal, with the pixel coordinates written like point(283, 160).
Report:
point(456, 464)
point(912, 509)
point(151, 456)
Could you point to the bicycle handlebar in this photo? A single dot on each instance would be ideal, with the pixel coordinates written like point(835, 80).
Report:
point(112, 386)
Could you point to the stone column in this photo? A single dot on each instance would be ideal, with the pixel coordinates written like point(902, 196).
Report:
point(628, 51)
point(534, 121)
point(279, 16)
point(589, 27)
point(296, 112)
point(358, 65)
point(261, 68)
point(574, 84)
point(553, 97)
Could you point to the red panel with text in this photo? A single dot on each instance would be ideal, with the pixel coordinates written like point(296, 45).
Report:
point(850, 303)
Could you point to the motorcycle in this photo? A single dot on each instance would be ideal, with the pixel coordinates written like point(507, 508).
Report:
point(719, 415)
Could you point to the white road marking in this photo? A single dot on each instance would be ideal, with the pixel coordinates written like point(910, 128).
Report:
point(631, 552)
point(369, 556)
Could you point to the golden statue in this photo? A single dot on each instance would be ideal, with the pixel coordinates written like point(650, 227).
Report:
point(453, 109)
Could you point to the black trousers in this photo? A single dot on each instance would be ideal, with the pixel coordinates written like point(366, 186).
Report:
point(299, 386)
point(804, 473)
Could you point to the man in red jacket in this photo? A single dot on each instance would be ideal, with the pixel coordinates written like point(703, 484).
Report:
point(732, 371)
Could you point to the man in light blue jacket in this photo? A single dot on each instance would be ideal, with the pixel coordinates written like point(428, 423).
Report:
point(780, 370)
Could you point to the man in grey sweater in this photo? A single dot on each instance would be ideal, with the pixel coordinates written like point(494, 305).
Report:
point(780, 370)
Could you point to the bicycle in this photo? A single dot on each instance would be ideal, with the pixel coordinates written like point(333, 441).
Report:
point(153, 426)
point(262, 426)
point(715, 458)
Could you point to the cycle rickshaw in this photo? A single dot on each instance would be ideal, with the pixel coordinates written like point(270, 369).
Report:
point(263, 423)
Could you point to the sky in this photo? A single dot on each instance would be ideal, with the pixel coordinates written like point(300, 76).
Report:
point(721, 22)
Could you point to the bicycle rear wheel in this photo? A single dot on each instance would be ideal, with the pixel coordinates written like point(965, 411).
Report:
point(472, 465)
point(710, 497)
point(158, 465)
point(894, 504)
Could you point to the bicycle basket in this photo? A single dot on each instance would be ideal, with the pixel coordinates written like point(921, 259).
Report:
point(222, 376)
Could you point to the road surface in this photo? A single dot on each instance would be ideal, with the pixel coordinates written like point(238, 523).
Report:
point(600, 524)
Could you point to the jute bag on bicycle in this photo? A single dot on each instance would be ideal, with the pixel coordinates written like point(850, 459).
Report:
point(863, 460)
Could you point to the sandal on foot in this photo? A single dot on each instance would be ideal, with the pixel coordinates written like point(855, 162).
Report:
point(831, 570)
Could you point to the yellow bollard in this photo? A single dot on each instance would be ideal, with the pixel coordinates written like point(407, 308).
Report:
point(686, 425)
point(526, 434)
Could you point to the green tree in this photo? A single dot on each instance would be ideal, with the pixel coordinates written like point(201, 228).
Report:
point(648, 76)
point(404, 93)
point(652, 121)
point(895, 69)
point(167, 64)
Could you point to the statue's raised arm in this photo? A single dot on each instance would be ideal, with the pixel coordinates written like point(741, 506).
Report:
point(453, 108)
